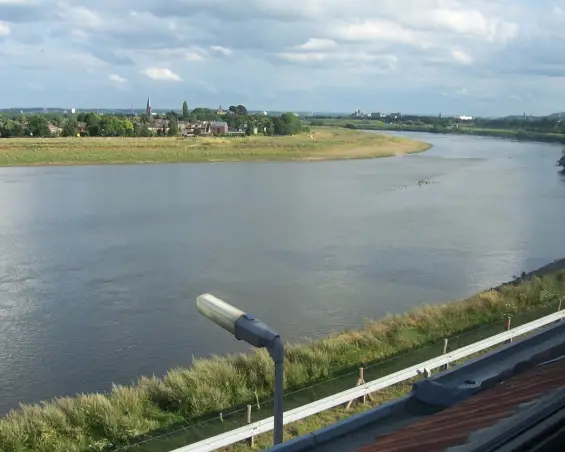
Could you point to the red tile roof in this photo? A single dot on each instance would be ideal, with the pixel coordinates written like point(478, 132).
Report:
point(453, 426)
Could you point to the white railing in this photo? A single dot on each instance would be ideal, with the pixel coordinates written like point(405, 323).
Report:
point(266, 425)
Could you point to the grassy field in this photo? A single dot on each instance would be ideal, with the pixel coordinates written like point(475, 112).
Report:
point(153, 406)
point(319, 144)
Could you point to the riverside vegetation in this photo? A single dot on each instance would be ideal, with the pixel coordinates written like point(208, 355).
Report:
point(548, 131)
point(317, 144)
point(101, 422)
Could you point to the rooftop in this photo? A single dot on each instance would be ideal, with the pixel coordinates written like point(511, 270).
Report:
point(453, 407)
point(453, 426)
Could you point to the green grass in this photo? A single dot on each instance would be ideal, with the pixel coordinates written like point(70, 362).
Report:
point(319, 144)
point(97, 422)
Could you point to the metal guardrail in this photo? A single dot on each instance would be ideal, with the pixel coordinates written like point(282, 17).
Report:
point(266, 425)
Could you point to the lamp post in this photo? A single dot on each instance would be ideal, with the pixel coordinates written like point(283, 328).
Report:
point(245, 327)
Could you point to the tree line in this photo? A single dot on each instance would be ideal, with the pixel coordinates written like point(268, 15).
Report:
point(547, 124)
point(141, 125)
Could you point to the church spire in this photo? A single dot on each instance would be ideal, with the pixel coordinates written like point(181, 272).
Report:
point(148, 108)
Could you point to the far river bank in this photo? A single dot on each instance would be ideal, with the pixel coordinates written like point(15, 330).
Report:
point(316, 145)
point(512, 134)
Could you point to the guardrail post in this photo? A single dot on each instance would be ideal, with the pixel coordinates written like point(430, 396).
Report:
point(252, 438)
point(360, 381)
point(508, 326)
point(257, 400)
point(445, 343)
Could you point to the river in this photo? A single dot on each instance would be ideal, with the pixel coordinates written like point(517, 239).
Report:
point(100, 266)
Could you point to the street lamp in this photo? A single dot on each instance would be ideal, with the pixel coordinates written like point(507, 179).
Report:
point(253, 331)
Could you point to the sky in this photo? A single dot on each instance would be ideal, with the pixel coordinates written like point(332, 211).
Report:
point(473, 57)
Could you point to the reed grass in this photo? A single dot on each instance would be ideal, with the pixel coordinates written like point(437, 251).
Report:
point(319, 144)
point(126, 414)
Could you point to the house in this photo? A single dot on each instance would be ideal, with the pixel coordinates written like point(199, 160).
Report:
point(219, 127)
point(200, 128)
point(81, 126)
point(161, 125)
point(54, 129)
point(183, 125)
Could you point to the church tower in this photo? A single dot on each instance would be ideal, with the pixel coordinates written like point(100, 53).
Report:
point(148, 108)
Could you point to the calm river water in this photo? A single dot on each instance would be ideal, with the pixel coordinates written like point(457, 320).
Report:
point(100, 266)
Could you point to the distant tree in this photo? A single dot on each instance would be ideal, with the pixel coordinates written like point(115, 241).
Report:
point(232, 109)
point(142, 131)
point(241, 110)
point(111, 126)
point(92, 121)
point(11, 128)
point(172, 115)
point(185, 111)
point(70, 127)
point(250, 129)
point(269, 128)
point(56, 119)
point(237, 122)
point(128, 127)
point(287, 124)
point(173, 128)
point(205, 114)
point(38, 126)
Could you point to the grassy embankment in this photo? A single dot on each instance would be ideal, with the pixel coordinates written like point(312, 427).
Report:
point(97, 422)
point(319, 144)
point(514, 134)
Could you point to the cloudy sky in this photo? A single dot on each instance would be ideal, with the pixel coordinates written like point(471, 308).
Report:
point(479, 57)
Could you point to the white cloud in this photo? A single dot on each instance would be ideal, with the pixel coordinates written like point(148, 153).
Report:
point(79, 34)
point(358, 59)
point(81, 16)
point(302, 57)
point(462, 57)
point(318, 44)
point(4, 29)
point(463, 21)
point(158, 73)
point(117, 79)
point(193, 56)
point(378, 31)
point(223, 50)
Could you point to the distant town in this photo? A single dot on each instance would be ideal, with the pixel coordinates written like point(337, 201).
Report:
point(233, 121)
point(236, 120)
